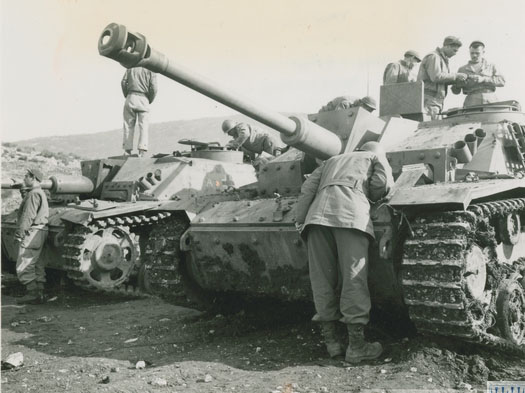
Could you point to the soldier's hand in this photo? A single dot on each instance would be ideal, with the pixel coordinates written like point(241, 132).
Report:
point(474, 78)
point(299, 227)
point(461, 77)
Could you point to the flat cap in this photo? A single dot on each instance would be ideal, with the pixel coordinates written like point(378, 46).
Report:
point(37, 173)
point(477, 43)
point(414, 54)
point(451, 40)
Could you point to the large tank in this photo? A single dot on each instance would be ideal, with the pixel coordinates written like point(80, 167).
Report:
point(449, 243)
point(104, 225)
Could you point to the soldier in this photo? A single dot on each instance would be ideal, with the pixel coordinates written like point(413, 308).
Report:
point(139, 86)
point(483, 78)
point(333, 212)
point(251, 140)
point(403, 70)
point(435, 72)
point(31, 236)
point(345, 102)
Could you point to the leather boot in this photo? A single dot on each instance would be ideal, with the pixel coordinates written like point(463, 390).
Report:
point(333, 343)
point(34, 295)
point(358, 349)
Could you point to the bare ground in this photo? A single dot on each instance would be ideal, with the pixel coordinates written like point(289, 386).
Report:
point(84, 342)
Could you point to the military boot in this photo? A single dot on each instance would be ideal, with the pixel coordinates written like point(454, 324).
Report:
point(34, 294)
point(333, 343)
point(358, 349)
point(142, 153)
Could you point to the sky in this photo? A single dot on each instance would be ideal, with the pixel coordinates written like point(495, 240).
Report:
point(287, 55)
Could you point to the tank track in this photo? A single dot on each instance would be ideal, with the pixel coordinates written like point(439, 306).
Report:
point(137, 226)
point(161, 269)
point(434, 272)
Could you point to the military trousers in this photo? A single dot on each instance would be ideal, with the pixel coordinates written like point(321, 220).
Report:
point(136, 115)
point(338, 263)
point(480, 99)
point(29, 266)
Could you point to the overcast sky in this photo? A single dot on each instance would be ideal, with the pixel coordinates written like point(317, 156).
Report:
point(289, 55)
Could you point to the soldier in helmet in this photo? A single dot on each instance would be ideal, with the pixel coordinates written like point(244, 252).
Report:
point(31, 235)
point(333, 213)
point(345, 102)
point(250, 139)
point(403, 70)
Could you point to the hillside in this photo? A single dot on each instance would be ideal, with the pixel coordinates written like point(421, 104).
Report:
point(163, 138)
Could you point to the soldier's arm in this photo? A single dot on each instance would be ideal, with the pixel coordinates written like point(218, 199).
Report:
point(243, 135)
point(308, 192)
point(381, 179)
point(391, 74)
point(152, 90)
point(124, 84)
point(496, 80)
point(436, 74)
point(29, 212)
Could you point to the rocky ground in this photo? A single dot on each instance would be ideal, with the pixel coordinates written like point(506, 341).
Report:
point(84, 342)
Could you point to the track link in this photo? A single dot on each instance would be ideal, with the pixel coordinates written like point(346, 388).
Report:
point(448, 290)
point(161, 270)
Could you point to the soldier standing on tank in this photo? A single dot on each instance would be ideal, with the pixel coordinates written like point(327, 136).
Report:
point(139, 86)
point(434, 71)
point(482, 78)
point(250, 139)
point(345, 102)
point(404, 70)
point(333, 212)
point(31, 235)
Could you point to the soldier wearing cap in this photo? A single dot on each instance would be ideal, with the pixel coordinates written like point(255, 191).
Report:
point(434, 71)
point(251, 140)
point(483, 78)
point(402, 71)
point(345, 102)
point(31, 236)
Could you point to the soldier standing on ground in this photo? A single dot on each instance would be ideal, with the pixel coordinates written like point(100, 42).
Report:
point(482, 78)
point(31, 236)
point(250, 139)
point(434, 71)
point(333, 212)
point(139, 86)
point(402, 71)
point(345, 102)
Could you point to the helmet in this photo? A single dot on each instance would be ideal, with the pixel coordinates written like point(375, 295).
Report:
point(373, 147)
point(228, 124)
point(369, 102)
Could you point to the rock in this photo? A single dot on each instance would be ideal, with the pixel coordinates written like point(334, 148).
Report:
point(159, 382)
point(388, 360)
point(140, 365)
point(115, 369)
point(13, 361)
point(131, 340)
point(69, 342)
point(44, 318)
point(42, 344)
point(105, 379)
point(466, 386)
point(413, 369)
point(208, 378)
point(383, 371)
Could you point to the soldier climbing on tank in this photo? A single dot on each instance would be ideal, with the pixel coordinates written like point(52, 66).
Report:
point(333, 212)
point(434, 71)
point(345, 102)
point(31, 236)
point(251, 140)
point(482, 78)
point(404, 70)
point(139, 86)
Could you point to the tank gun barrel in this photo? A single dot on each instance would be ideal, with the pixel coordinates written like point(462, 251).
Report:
point(132, 50)
point(59, 185)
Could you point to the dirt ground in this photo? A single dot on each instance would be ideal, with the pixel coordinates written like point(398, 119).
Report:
point(83, 342)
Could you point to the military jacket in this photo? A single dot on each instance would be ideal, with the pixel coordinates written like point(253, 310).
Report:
point(248, 137)
point(34, 210)
point(338, 193)
point(140, 80)
point(435, 72)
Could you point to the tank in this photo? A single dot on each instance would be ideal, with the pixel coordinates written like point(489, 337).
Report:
point(449, 249)
point(106, 227)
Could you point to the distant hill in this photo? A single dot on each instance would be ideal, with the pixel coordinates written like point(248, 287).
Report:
point(162, 139)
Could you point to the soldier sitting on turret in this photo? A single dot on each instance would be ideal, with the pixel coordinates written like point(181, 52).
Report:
point(250, 140)
point(345, 102)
